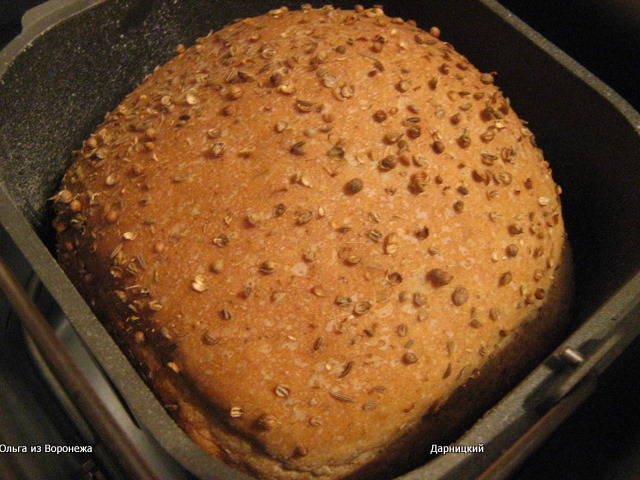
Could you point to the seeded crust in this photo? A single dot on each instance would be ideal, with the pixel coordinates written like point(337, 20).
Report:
point(323, 237)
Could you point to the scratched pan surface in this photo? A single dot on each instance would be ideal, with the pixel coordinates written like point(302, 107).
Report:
point(78, 60)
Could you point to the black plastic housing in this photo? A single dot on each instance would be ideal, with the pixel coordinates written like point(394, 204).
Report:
point(78, 60)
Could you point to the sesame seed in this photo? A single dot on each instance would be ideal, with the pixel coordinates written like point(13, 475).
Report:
point(347, 369)
point(409, 358)
point(512, 250)
point(361, 308)
point(268, 266)
point(414, 131)
point(217, 149)
point(354, 186)
point(318, 291)
point(329, 81)
point(246, 152)
point(422, 234)
point(438, 146)
point(394, 278)
point(252, 220)
point(304, 106)
point(221, 240)
point(538, 274)
point(315, 421)
point(486, 78)
point(464, 140)
point(343, 301)
point(375, 235)
point(393, 137)
point(504, 178)
point(475, 323)
point(439, 277)
point(419, 299)
point(418, 182)
point(199, 283)
point(267, 421)
point(191, 99)
point(209, 339)
point(388, 163)
point(391, 244)
point(495, 314)
point(451, 347)
point(236, 412)
point(403, 86)
point(515, 229)
point(402, 330)
point(304, 217)
point(111, 216)
point(337, 151)
point(286, 89)
point(340, 397)
point(214, 133)
point(229, 110)
point(347, 91)
point(460, 296)
point(279, 210)
point(370, 405)
point(380, 116)
point(297, 149)
point(352, 260)
point(64, 196)
point(282, 391)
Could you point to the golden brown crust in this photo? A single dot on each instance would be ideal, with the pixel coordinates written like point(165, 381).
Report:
point(309, 230)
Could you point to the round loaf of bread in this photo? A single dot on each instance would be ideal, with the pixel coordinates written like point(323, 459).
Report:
point(323, 237)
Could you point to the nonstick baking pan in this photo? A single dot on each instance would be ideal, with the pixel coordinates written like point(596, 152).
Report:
point(76, 59)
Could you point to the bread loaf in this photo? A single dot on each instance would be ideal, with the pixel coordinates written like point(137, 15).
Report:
point(323, 237)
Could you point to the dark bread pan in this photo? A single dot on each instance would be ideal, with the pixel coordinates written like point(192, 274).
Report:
point(76, 59)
